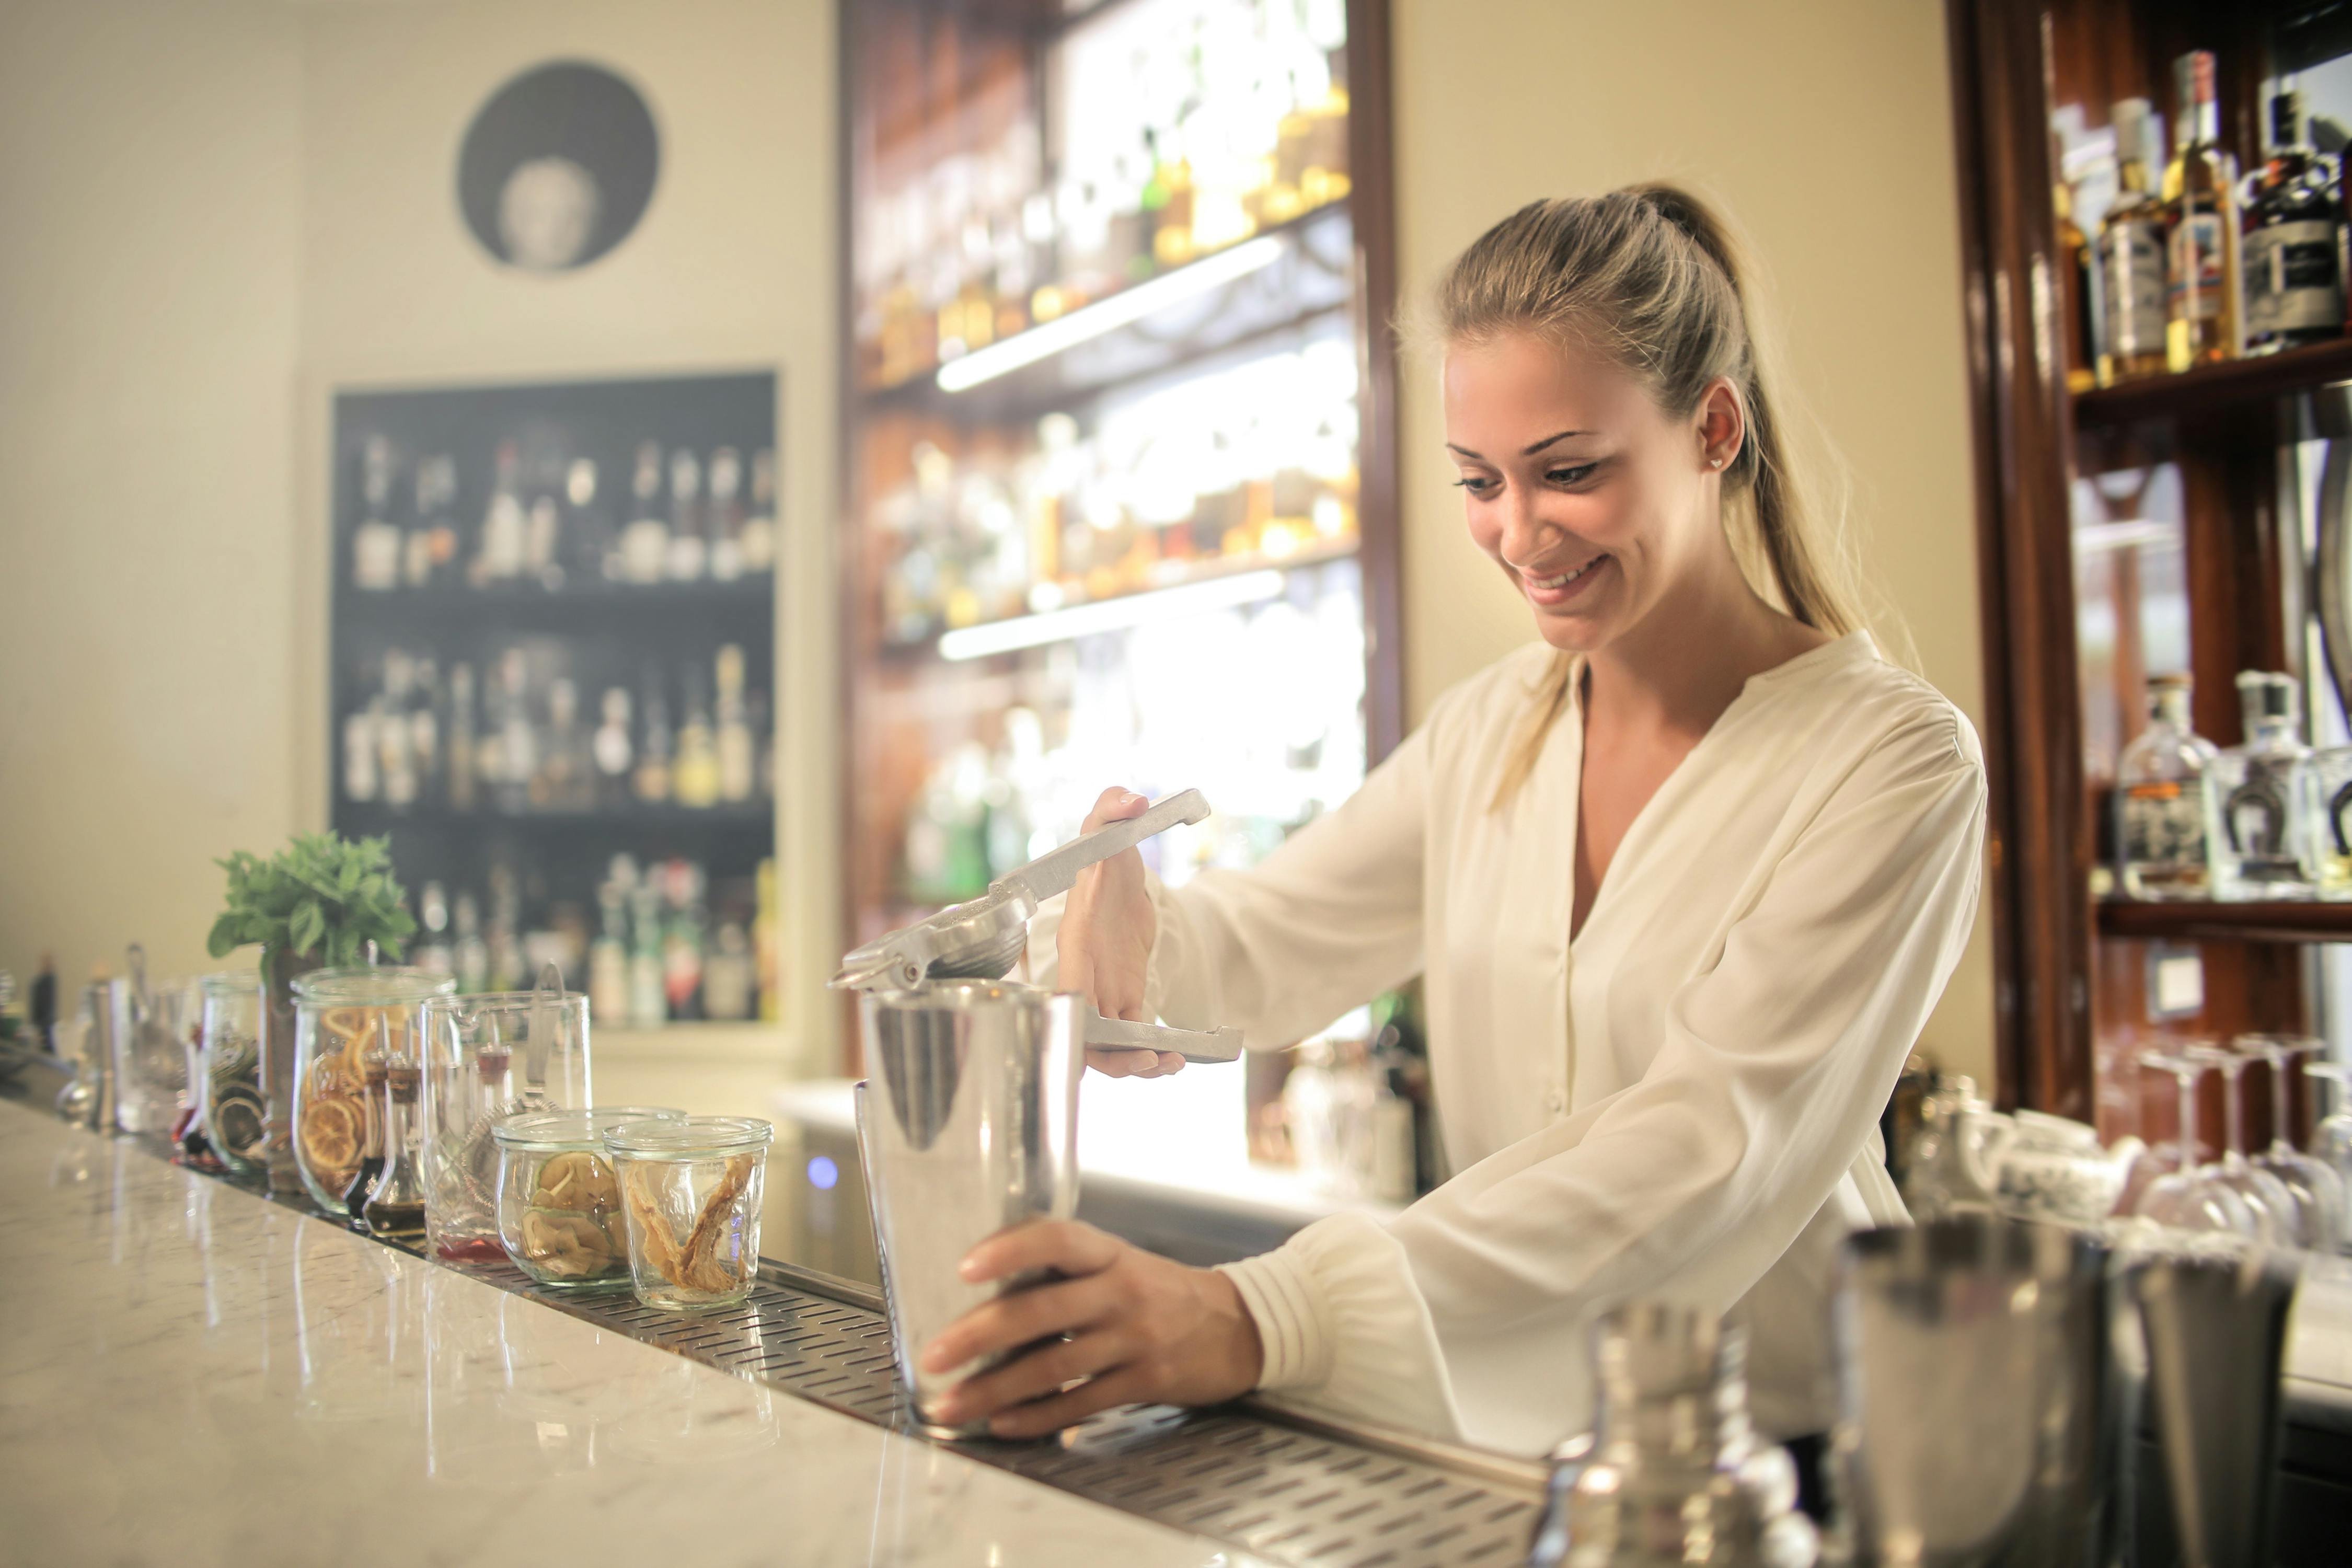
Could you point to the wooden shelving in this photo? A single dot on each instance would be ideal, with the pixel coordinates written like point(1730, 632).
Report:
point(2216, 389)
point(2185, 922)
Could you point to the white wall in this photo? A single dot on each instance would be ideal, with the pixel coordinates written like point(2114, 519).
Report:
point(151, 181)
point(1826, 129)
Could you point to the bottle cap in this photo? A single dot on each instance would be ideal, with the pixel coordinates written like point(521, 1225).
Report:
point(2264, 694)
point(2129, 117)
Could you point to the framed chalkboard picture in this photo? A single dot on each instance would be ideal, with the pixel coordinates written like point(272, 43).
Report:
point(558, 166)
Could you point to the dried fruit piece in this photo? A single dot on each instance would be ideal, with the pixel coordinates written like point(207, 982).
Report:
point(332, 1127)
point(655, 1238)
point(577, 1180)
point(567, 1244)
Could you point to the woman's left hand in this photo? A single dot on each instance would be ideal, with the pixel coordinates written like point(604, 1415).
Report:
point(1143, 1330)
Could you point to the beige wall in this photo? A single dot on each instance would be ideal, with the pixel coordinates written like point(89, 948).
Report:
point(1825, 128)
point(149, 179)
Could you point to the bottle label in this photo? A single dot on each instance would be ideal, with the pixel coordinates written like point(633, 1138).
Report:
point(2131, 279)
point(2290, 282)
point(2164, 825)
point(2197, 266)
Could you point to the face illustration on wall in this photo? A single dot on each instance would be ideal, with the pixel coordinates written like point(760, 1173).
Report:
point(558, 167)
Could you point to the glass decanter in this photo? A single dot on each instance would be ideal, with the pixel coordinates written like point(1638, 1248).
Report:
point(395, 1204)
point(2162, 781)
point(373, 1071)
point(2262, 795)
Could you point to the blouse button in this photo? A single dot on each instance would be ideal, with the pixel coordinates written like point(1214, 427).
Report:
point(1555, 1102)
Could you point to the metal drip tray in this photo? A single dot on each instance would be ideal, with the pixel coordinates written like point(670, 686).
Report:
point(1282, 1488)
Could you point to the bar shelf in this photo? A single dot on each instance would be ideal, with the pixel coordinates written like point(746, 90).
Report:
point(2285, 921)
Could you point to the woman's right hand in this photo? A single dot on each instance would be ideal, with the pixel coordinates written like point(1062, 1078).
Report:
point(1105, 942)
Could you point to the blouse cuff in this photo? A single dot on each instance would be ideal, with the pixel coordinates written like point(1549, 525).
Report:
point(1275, 1287)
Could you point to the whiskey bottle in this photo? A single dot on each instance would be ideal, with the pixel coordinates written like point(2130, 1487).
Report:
point(2294, 220)
point(689, 555)
point(2131, 259)
point(2074, 287)
point(739, 767)
point(2201, 215)
point(2262, 795)
point(2162, 778)
point(645, 543)
point(375, 542)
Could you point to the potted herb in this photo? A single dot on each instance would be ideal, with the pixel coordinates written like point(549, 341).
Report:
point(316, 904)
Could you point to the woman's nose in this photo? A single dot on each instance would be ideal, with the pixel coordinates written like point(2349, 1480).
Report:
point(1525, 533)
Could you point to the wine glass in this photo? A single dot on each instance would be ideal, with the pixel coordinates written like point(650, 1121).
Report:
point(2186, 1197)
point(2277, 1220)
point(2318, 1190)
point(2331, 1139)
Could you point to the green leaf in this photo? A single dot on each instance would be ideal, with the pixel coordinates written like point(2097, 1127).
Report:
point(223, 937)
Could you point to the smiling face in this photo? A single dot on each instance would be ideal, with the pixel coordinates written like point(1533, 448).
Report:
point(1595, 502)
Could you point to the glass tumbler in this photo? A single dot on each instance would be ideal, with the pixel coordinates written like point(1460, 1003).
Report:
point(487, 1058)
point(690, 1192)
point(227, 1072)
point(557, 1204)
point(341, 1018)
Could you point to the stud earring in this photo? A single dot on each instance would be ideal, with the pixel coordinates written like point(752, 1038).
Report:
point(1715, 462)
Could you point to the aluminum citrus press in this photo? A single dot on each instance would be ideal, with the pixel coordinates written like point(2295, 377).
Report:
point(984, 938)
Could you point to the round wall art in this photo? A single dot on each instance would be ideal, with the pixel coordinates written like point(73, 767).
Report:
point(558, 166)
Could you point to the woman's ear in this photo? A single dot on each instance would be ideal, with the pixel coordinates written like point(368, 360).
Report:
point(1722, 423)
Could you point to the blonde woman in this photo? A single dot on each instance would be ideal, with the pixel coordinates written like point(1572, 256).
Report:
point(1683, 878)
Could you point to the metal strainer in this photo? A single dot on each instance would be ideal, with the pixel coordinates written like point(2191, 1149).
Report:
point(984, 938)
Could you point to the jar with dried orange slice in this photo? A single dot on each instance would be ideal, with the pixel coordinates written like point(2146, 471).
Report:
point(559, 1202)
point(339, 1016)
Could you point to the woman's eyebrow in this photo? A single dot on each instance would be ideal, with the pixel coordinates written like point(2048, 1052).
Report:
point(1524, 451)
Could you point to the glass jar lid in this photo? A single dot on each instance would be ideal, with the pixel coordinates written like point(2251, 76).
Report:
point(689, 1137)
point(575, 1129)
point(378, 987)
point(231, 982)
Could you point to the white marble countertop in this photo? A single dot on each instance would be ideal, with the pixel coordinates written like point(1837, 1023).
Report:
point(191, 1376)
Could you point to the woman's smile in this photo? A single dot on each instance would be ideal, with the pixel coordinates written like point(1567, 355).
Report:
point(1550, 592)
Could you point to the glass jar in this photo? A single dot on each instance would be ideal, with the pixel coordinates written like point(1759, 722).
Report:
point(226, 1073)
point(691, 1191)
point(487, 1058)
point(558, 1205)
point(343, 1017)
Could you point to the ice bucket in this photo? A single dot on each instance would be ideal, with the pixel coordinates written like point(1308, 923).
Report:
point(967, 1125)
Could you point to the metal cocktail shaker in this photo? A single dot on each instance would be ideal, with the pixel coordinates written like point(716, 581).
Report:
point(1979, 1406)
point(968, 1125)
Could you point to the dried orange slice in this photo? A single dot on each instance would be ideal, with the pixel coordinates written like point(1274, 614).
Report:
point(331, 1129)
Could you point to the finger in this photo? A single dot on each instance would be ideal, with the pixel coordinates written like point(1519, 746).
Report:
point(1021, 1317)
point(1114, 805)
point(1127, 1386)
point(1071, 1245)
point(1124, 1064)
point(1036, 1375)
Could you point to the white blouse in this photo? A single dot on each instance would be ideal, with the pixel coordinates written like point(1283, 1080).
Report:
point(1680, 1103)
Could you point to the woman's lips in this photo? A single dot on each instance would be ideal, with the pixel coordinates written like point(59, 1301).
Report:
point(1561, 587)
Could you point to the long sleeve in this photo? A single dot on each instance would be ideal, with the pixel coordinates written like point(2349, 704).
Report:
point(1694, 1178)
point(1328, 921)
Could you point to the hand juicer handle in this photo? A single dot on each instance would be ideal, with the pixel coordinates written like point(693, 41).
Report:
point(1057, 871)
point(1197, 1045)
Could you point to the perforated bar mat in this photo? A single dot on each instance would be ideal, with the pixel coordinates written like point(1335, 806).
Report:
point(1286, 1492)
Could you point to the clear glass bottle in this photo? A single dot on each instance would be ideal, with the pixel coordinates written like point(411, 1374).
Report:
point(394, 1208)
point(1677, 1477)
point(375, 1060)
point(2294, 282)
point(2162, 781)
point(2261, 798)
point(2200, 212)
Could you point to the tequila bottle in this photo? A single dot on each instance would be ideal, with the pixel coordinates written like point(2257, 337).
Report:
point(2262, 797)
point(2162, 778)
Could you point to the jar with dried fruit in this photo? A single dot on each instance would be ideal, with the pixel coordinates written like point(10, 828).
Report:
point(690, 1193)
point(341, 1017)
point(558, 1204)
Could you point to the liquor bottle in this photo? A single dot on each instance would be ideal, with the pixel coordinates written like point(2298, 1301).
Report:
point(503, 937)
point(690, 553)
point(375, 542)
point(374, 1061)
point(2295, 223)
point(394, 1208)
point(395, 764)
point(2203, 324)
point(682, 939)
point(644, 543)
point(727, 975)
point(608, 959)
point(2262, 795)
point(2162, 777)
point(505, 525)
point(434, 954)
point(738, 768)
point(473, 954)
point(653, 762)
point(2132, 257)
point(758, 540)
point(725, 515)
point(517, 745)
point(616, 758)
point(360, 755)
point(425, 727)
point(462, 762)
point(2076, 293)
point(416, 542)
point(437, 502)
point(694, 780)
point(648, 1004)
point(566, 779)
point(587, 531)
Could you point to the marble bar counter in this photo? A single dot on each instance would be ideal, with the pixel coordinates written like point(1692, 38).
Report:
point(191, 1375)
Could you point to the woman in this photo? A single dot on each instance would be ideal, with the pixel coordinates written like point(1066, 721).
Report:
point(1683, 879)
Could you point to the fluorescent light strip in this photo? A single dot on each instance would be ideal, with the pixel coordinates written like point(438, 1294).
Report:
point(1122, 309)
point(1111, 615)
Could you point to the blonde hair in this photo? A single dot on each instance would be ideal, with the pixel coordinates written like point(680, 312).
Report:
point(1651, 276)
